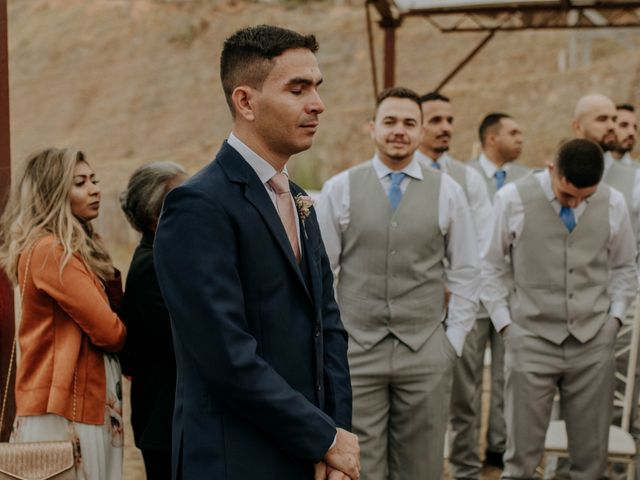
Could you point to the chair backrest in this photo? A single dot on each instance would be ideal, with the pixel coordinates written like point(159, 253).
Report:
point(627, 347)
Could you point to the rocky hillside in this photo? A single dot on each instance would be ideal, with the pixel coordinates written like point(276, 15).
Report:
point(131, 81)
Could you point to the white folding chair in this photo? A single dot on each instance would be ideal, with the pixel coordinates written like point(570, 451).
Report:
point(622, 447)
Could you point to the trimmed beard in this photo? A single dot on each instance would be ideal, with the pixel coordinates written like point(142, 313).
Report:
point(623, 150)
point(607, 146)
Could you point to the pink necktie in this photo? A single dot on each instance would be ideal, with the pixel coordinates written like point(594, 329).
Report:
point(280, 184)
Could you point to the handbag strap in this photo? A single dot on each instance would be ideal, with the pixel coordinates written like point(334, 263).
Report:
point(5, 393)
point(6, 387)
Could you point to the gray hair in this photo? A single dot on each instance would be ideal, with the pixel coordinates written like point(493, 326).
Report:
point(147, 187)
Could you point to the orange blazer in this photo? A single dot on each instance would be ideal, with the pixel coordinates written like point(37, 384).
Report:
point(66, 324)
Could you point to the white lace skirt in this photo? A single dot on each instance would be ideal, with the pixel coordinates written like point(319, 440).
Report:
point(99, 448)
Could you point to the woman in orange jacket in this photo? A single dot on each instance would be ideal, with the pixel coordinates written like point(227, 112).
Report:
point(68, 383)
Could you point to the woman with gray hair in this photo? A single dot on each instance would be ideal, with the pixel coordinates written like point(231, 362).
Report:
point(148, 356)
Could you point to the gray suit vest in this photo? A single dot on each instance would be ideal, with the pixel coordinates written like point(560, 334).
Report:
point(623, 178)
point(458, 171)
point(516, 172)
point(391, 270)
point(560, 278)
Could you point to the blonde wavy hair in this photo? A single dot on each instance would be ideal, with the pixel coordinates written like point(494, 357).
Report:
point(39, 206)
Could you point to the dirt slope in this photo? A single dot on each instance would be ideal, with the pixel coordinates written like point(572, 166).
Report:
point(132, 81)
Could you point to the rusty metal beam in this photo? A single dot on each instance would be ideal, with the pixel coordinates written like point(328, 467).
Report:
point(389, 24)
point(466, 60)
point(372, 52)
point(503, 18)
point(383, 7)
point(510, 18)
point(389, 52)
point(515, 7)
point(6, 290)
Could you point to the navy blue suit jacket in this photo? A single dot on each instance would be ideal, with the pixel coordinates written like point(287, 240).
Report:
point(262, 373)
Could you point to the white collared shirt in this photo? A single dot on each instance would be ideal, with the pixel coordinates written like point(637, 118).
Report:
point(454, 218)
point(489, 168)
point(265, 172)
point(478, 197)
point(507, 225)
point(627, 160)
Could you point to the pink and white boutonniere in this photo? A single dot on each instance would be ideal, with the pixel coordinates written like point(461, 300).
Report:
point(303, 205)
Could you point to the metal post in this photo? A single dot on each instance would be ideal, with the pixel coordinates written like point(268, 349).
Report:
point(372, 53)
point(6, 290)
point(389, 26)
point(389, 23)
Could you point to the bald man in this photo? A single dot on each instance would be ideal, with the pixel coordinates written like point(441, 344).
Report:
point(595, 119)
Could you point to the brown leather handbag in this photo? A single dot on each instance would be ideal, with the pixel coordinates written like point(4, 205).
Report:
point(34, 460)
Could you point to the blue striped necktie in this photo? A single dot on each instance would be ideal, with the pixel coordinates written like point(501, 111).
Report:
point(568, 218)
point(395, 194)
point(500, 175)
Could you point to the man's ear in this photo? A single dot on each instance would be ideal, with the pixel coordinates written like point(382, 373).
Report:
point(577, 129)
point(372, 126)
point(242, 98)
point(489, 140)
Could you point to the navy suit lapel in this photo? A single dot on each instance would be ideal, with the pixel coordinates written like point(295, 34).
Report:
point(239, 171)
point(309, 251)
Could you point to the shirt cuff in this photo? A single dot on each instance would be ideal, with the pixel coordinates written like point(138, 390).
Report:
point(501, 318)
point(456, 336)
point(335, 439)
point(618, 309)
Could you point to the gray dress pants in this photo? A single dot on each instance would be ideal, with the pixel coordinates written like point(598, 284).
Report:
point(401, 404)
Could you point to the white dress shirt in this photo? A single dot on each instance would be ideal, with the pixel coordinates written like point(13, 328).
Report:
point(489, 168)
point(476, 187)
point(454, 218)
point(507, 225)
point(627, 160)
point(265, 172)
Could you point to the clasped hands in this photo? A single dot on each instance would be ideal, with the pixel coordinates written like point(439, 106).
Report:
point(342, 461)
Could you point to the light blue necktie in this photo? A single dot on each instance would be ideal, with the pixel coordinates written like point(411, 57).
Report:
point(435, 165)
point(395, 194)
point(568, 218)
point(500, 176)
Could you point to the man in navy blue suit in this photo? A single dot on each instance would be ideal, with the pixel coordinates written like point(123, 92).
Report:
point(263, 388)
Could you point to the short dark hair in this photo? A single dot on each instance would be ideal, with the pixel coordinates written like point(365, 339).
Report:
point(434, 96)
point(398, 92)
point(626, 106)
point(248, 55)
point(580, 162)
point(489, 123)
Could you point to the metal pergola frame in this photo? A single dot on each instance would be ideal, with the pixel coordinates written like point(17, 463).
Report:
point(492, 18)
